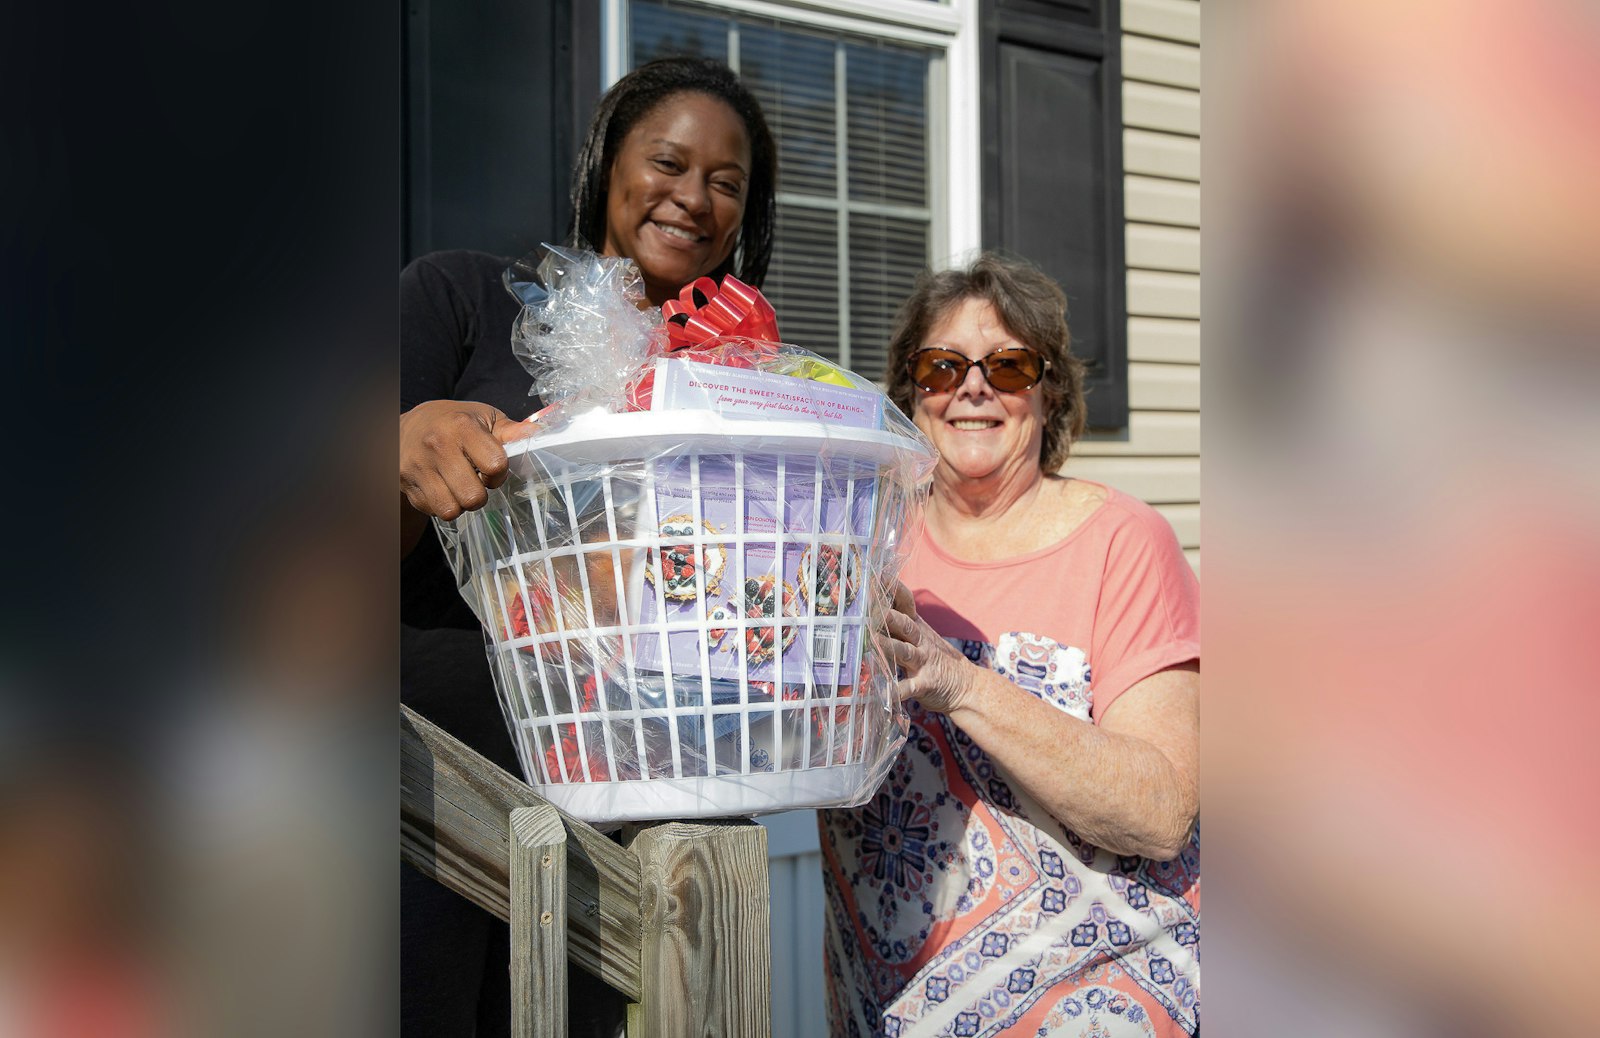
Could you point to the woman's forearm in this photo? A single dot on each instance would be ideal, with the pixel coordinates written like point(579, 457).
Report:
point(1116, 791)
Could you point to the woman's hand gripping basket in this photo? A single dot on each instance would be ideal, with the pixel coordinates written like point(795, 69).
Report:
point(680, 579)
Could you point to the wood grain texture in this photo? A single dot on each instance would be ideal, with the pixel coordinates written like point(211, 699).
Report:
point(538, 923)
point(706, 956)
point(455, 808)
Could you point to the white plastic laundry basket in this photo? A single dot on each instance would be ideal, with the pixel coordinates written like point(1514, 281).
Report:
point(678, 607)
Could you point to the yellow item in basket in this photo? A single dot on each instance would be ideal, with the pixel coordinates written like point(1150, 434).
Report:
point(817, 371)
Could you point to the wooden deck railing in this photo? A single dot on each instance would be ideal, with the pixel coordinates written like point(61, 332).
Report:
point(677, 920)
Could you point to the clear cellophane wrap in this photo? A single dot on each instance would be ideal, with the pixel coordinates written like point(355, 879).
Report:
point(681, 579)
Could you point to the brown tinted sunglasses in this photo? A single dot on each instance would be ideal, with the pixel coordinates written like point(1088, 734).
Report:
point(1012, 370)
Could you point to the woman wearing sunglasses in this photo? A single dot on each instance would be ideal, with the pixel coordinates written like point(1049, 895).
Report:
point(1031, 866)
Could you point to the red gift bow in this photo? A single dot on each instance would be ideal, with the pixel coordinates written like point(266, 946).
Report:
point(702, 312)
point(701, 317)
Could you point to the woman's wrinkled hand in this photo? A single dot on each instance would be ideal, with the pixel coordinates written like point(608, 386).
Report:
point(451, 455)
point(932, 671)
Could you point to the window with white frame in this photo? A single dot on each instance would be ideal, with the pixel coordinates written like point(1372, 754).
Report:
point(859, 98)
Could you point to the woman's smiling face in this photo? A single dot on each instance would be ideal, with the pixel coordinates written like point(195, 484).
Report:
point(979, 431)
point(676, 195)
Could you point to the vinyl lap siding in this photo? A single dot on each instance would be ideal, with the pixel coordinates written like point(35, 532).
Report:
point(1157, 458)
point(794, 870)
point(798, 1006)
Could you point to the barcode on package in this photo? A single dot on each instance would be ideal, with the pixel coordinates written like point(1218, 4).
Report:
point(824, 643)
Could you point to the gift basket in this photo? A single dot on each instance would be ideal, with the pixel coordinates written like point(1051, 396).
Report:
point(680, 578)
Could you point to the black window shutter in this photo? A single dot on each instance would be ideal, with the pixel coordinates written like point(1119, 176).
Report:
point(491, 96)
point(1052, 169)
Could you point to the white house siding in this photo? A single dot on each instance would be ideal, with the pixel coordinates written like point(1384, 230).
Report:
point(794, 868)
point(1157, 457)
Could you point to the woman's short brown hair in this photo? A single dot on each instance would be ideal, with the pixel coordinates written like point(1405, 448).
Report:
point(1033, 309)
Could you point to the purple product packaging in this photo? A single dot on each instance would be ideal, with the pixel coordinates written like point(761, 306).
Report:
point(765, 589)
point(723, 599)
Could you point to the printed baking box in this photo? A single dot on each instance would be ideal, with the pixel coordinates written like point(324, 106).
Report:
point(758, 578)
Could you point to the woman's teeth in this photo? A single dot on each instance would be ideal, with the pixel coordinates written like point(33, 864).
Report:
point(974, 423)
point(677, 232)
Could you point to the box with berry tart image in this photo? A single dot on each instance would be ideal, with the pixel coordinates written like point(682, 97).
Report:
point(759, 573)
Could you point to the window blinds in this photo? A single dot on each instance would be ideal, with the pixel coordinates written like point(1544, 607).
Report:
point(853, 208)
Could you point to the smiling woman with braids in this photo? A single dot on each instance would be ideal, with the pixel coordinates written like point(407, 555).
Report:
point(678, 173)
point(1031, 864)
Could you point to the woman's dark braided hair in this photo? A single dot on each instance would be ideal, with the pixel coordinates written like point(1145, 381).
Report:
point(639, 93)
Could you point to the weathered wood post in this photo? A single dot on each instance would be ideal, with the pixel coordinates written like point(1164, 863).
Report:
point(705, 957)
point(455, 825)
point(677, 921)
point(538, 923)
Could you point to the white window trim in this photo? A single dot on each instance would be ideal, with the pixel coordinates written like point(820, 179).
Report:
point(908, 14)
point(951, 27)
point(963, 185)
